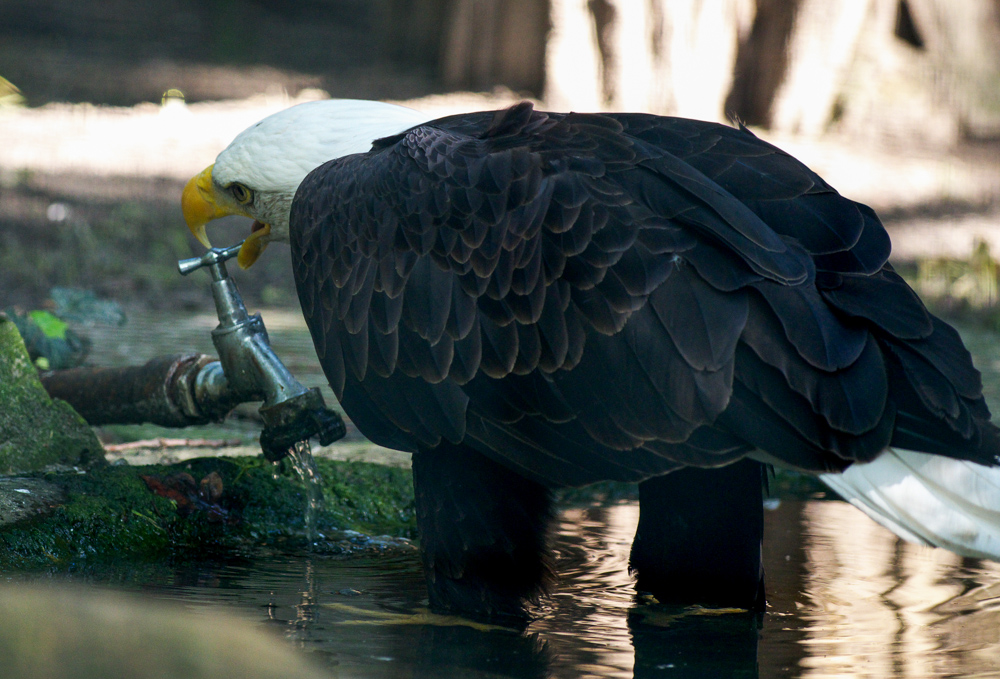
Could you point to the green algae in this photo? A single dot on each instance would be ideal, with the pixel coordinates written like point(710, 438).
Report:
point(110, 515)
point(388, 507)
point(35, 430)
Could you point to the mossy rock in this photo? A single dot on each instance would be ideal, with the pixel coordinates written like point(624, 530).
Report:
point(35, 430)
point(126, 516)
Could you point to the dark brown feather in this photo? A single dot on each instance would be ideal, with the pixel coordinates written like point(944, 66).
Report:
point(591, 296)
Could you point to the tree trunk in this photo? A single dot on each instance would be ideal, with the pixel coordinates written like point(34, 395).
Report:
point(662, 56)
point(495, 42)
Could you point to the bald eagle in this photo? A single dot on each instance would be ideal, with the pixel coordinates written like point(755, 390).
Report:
point(528, 300)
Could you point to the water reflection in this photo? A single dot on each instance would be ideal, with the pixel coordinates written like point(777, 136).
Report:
point(594, 593)
point(590, 626)
point(845, 598)
point(906, 610)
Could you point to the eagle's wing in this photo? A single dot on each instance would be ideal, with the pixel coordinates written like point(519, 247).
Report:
point(611, 296)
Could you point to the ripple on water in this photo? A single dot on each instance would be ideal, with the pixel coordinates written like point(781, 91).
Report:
point(845, 599)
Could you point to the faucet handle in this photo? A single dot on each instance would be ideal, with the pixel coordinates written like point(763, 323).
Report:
point(213, 258)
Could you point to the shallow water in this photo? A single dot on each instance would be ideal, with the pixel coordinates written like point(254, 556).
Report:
point(846, 598)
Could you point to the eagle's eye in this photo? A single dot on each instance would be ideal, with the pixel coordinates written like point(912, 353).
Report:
point(242, 194)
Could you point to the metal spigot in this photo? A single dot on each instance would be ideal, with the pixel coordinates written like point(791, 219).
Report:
point(249, 370)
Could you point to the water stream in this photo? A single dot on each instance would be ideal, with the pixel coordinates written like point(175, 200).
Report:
point(304, 465)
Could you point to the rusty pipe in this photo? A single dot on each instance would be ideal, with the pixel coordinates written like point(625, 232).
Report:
point(171, 391)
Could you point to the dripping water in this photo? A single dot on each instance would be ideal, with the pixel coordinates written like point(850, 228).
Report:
point(305, 466)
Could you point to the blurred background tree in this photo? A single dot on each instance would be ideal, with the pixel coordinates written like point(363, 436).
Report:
point(872, 67)
point(921, 70)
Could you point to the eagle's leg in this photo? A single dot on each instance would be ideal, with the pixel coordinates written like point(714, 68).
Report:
point(483, 533)
point(699, 536)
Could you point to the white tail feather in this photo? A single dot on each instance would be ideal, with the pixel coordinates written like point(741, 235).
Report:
point(928, 499)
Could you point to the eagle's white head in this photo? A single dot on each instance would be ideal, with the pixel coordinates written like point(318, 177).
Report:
point(257, 174)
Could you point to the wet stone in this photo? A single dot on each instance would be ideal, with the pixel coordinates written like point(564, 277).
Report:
point(354, 543)
point(22, 498)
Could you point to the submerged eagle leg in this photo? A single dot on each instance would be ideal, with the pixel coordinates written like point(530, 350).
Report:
point(699, 536)
point(483, 532)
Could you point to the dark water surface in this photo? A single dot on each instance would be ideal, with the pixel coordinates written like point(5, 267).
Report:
point(846, 598)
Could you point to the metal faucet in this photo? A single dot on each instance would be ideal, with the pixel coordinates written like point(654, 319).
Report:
point(249, 370)
point(187, 389)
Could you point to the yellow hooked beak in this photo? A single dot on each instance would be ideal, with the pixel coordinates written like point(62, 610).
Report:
point(201, 202)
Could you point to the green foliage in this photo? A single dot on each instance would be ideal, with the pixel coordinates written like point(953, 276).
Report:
point(83, 306)
point(51, 326)
point(51, 345)
point(960, 288)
